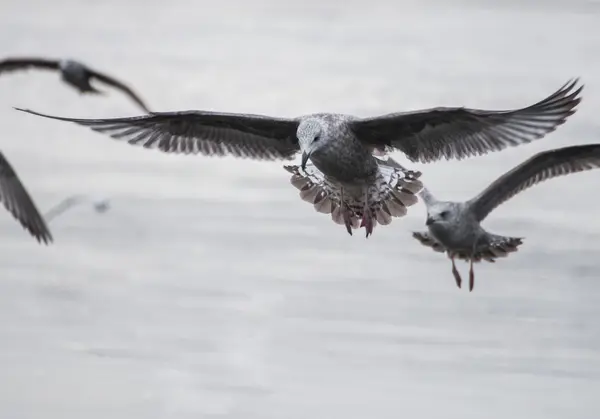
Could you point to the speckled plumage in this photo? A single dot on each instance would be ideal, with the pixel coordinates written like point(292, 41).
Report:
point(391, 192)
point(342, 147)
point(454, 227)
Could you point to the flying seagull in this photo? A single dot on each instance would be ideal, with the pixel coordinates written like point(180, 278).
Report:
point(17, 201)
point(343, 147)
point(73, 73)
point(100, 206)
point(454, 227)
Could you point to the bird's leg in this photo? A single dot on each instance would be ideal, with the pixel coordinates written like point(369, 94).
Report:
point(367, 215)
point(471, 273)
point(471, 276)
point(346, 212)
point(457, 277)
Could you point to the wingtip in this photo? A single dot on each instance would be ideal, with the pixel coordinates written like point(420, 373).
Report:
point(47, 241)
point(570, 85)
point(32, 112)
point(45, 238)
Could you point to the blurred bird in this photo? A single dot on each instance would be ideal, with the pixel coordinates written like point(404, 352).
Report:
point(17, 201)
point(73, 73)
point(454, 227)
point(100, 206)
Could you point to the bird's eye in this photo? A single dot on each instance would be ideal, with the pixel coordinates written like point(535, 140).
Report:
point(317, 138)
point(444, 214)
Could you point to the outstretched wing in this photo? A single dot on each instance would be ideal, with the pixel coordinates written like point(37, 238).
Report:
point(17, 201)
point(209, 133)
point(539, 168)
point(456, 133)
point(119, 85)
point(13, 64)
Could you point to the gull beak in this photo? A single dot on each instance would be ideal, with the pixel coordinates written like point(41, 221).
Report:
point(429, 221)
point(305, 157)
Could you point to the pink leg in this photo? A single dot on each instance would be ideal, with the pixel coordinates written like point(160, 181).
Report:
point(471, 277)
point(471, 273)
point(367, 221)
point(367, 216)
point(457, 277)
point(346, 212)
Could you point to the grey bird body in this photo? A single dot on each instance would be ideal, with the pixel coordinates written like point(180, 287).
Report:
point(76, 74)
point(455, 228)
point(342, 147)
point(460, 229)
point(73, 73)
point(337, 151)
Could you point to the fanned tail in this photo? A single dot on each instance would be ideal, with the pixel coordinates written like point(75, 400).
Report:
point(496, 247)
point(394, 190)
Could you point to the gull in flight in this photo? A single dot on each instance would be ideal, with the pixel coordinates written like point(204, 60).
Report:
point(17, 201)
point(343, 148)
point(73, 73)
point(454, 227)
point(100, 206)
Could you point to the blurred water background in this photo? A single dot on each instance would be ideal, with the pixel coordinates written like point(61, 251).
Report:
point(210, 290)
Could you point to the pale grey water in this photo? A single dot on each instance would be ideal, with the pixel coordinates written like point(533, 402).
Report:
point(211, 290)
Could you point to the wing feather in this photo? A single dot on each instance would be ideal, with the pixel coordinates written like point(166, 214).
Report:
point(119, 85)
point(456, 133)
point(17, 201)
point(14, 64)
point(539, 168)
point(201, 132)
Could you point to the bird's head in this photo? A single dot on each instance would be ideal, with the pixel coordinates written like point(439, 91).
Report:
point(443, 215)
point(309, 135)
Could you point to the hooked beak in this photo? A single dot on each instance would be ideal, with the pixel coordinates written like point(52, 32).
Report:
point(429, 221)
point(305, 157)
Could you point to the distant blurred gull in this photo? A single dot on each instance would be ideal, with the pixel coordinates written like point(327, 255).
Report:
point(72, 72)
point(100, 206)
point(17, 201)
point(342, 147)
point(454, 227)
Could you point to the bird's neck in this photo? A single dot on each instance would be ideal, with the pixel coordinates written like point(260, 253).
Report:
point(427, 196)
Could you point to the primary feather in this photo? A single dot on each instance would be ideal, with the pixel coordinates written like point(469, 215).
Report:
point(539, 168)
point(456, 133)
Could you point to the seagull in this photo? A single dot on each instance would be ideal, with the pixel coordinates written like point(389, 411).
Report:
point(72, 72)
point(344, 147)
point(100, 206)
point(454, 227)
point(17, 201)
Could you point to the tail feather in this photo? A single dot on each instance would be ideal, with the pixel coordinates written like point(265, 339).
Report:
point(394, 190)
point(496, 247)
point(499, 247)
